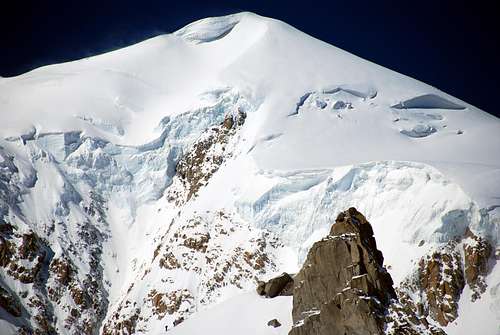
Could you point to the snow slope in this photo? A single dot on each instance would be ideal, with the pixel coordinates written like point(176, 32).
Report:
point(239, 316)
point(324, 130)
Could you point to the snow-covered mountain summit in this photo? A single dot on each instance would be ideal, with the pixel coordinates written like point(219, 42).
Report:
point(146, 184)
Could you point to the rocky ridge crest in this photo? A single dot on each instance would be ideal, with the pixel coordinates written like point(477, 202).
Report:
point(343, 287)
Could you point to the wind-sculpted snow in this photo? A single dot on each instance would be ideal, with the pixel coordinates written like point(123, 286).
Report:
point(336, 98)
point(362, 91)
point(419, 130)
point(208, 30)
point(428, 101)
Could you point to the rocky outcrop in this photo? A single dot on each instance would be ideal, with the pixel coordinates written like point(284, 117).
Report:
point(26, 263)
point(207, 246)
point(24, 260)
point(442, 280)
point(171, 302)
point(46, 282)
point(434, 289)
point(62, 270)
point(196, 167)
point(274, 323)
point(477, 252)
point(343, 287)
point(123, 326)
point(280, 285)
point(436, 285)
point(403, 319)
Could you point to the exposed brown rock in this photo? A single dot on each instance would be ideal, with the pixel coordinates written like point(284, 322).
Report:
point(228, 122)
point(44, 318)
point(477, 251)
point(61, 268)
point(196, 167)
point(343, 287)
point(441, 278)
point(159, 306)
point(38, 282)
point(256, 260)
point(280, 285)
point(325, 299)
point(405, 317)
point(126, 326)
point(23, 274)
point(44, 324)
point(157, 251)
point(168, 261)
point(198, 243)
point(441, 275)
point(168, 303)
point(436, 285)
point(80, 297)
point(30, 249)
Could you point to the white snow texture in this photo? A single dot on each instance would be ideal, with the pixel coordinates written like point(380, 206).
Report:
point(325, 130)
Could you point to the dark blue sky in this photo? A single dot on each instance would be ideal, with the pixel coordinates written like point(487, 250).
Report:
point(448, 44)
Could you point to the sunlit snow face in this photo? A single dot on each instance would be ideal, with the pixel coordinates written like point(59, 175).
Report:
point(89, 151)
